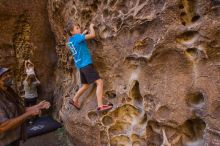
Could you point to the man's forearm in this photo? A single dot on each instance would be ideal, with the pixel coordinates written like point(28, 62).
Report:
point(13, 123)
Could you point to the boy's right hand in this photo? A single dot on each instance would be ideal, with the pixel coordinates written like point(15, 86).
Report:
point(91, 34)
point(91, 25)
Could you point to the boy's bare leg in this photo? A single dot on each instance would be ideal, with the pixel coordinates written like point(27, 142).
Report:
point(80, 92)
point(99, 91)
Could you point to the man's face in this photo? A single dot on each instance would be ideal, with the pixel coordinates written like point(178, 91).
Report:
point(76, 29)
point(5, 79)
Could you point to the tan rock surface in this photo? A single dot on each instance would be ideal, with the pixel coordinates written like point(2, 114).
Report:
point(160, 63)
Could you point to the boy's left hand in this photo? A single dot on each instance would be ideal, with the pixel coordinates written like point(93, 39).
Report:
point(92, 25)
point(85, 31)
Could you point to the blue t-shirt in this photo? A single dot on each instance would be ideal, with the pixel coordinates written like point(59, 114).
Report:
point(80, 50)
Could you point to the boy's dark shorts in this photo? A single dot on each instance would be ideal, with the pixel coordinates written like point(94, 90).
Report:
point(88, 74)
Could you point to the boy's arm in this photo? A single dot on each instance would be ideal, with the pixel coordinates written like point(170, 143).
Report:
point(25, 64)
point(91, 34)
point(30, 62)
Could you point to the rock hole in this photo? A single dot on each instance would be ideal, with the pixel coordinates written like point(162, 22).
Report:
point(128, 99)
point(126, 113)
point(184, 23)
point(86, 15)
point(135, 57)
point(163, 111)
point(153, 139)
point(137, 140)
point(194, 128)
point(154, 126)
point(143, 47)
point(181, 6)
point(135, 94)
point(188, 37)
point(107, 120)
point(195, 99)
point(142, 28)
point(143, 119)
point(120, 127)
point(189, 8)
point(92, 115)
point(182, 14)
point(94, 7)
point(121, 140)
point(195, 18)
point(192, 51)
point(73, 11)
point(110, 94)
point(136, 143)
point(105, 12)
point(189, 34)
point(123, 100)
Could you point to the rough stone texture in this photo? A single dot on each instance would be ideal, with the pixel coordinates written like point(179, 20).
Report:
point(160, 63)
point(25, 33)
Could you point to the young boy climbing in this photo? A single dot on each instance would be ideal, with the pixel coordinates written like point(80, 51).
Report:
point(83, 62)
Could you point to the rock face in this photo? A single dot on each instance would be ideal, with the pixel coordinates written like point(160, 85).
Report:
point(160, 61)
point(26, 33)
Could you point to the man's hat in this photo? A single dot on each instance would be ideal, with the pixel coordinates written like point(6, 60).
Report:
point(3, 70)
